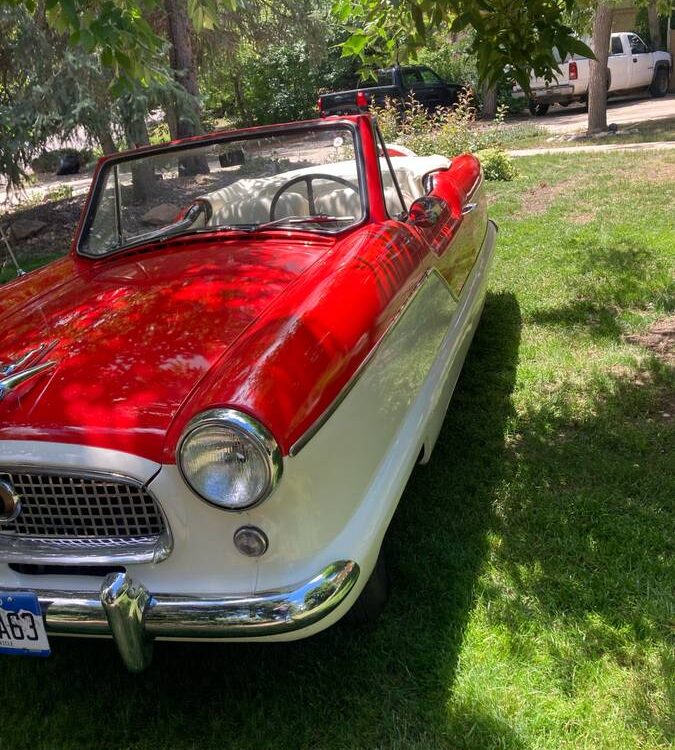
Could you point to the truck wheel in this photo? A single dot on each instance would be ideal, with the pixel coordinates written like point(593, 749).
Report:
point(659, 85)
point(368, 607)
point(537, 109)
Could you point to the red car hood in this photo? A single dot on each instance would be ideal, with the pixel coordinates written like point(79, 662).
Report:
point(131, 337)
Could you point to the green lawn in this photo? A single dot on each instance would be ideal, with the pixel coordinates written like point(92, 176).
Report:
point(531, 560)
point(8, 271)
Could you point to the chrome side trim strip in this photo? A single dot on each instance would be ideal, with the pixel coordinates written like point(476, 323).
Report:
point(122, 610)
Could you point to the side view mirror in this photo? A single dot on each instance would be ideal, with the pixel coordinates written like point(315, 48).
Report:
point(426, 211)
point(428, 179)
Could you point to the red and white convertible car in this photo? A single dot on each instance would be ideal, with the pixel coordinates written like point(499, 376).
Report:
point(210, 409)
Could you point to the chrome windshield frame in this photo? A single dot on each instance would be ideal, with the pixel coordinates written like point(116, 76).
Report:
point(112, 162)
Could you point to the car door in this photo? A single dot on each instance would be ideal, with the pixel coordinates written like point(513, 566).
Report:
point(642, 63)
point(430, 90)
point(619, 63)
point(457, 237)
point(413, 85)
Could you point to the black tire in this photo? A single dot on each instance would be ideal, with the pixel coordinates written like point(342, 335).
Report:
point(537, 109)
point(368, 607)
point(659, 85)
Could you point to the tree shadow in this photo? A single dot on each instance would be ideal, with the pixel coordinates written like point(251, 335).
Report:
point(587, 528)
point(599, 507)
point(600, 322)
point(389, 685)
point(606, 280)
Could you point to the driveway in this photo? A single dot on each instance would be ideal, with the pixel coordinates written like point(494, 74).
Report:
point(574, 118)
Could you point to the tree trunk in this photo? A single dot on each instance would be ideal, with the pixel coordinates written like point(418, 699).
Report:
point(188, 122)
point(171, 120)
point(136, 132)
point(105, 139)
point(597, 87)
point(489, 102)
point(184, 68)
point(135, 129)
point(244, 115)
point(654, 25)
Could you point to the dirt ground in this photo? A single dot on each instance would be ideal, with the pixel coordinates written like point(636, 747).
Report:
point(659, 339)
point(575, 118)
point(61, 218)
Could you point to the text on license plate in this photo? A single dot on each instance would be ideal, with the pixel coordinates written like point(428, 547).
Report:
point(22, 629)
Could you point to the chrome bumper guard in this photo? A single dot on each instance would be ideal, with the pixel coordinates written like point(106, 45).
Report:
point(552, 92)
point(133, 617)
point(545, 93)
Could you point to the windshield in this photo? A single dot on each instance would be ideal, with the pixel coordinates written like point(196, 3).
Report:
point(296, 179)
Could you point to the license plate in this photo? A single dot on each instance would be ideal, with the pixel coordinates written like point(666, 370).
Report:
point(22, 629)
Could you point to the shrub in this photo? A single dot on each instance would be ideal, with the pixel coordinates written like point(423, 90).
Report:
point(48, 161)
point(453, 131)
point(158, 133)
point(388, 118)
point(452, 60)
point(63, 192)
point(497, 164)
point(447, 131)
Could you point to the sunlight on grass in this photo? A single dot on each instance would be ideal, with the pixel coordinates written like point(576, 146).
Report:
point(568, 636)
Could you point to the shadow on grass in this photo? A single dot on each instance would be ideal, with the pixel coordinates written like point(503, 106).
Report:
point(587, 530)
point(601, 322)
point(599, 526)
point(607, 281)
point(387, 686)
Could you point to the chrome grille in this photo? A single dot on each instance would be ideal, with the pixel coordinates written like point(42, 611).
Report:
point(71, 507)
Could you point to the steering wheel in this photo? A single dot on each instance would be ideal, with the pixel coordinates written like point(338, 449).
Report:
point(308, 179)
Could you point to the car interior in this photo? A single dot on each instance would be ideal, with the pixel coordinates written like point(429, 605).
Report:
point(332, 190)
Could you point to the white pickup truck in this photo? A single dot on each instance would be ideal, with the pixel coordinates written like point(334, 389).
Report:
point(631, 66)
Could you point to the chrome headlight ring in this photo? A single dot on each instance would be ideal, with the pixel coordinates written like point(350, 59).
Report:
point(264, 452)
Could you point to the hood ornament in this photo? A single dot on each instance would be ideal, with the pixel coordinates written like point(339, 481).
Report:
point(15, 373)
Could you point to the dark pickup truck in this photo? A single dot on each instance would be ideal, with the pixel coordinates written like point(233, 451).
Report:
point(398, 84)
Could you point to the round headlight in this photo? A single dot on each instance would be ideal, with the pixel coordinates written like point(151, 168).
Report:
point(229, 459)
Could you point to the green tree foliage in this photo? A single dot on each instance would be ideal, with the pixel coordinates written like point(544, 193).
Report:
point(283, 84)
point(268, 60)
point(520, 34)
point(50, 89)
point(119, 32)
point(46, 89)
point(450, 56)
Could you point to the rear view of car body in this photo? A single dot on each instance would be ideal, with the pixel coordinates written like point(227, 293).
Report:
point(631, 66)
point(401, 86)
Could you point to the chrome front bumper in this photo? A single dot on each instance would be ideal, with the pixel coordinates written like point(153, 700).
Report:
point(133, 617)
